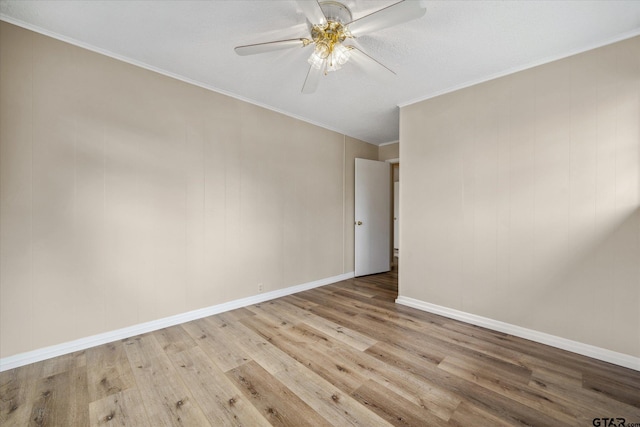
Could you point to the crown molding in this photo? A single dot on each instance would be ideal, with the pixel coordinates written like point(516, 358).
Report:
point(389, 143)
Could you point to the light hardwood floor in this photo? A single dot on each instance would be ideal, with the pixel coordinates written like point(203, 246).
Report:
point(343, 354)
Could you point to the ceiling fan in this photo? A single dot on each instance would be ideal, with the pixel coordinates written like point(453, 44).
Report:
point(330, 25)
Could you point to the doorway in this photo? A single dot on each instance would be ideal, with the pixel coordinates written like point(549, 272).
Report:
point(395, 179)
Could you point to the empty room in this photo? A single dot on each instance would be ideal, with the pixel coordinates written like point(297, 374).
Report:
point(319, 213)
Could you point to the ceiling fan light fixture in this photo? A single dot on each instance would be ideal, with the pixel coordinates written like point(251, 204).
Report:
point(341, 54)
point(329, 53)
point(332, 58)
point(332, 66)
point(316, 61)
point(323, 49)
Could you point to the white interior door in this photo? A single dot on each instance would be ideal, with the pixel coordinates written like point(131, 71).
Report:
point(372, 217)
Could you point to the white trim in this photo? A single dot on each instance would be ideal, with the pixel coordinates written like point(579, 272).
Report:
point(38, 355)
point(588, 350)
point(393, 161)
point(148, 67)
point(619, 38)
point(389, 143)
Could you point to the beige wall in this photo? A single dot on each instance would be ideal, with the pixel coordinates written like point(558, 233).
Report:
point(389, 151)
point(127, 196)
point(520, 198)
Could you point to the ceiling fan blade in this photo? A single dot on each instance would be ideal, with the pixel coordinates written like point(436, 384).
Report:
point(369, 64)
point(313, 79)
point(252, 49)
point(312, 11)
point(395, 14)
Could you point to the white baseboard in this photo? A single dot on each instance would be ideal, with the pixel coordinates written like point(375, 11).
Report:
point(94, 340)
point(588, 350)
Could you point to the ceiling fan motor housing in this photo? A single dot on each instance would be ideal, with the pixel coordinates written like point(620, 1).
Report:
point(335, 11)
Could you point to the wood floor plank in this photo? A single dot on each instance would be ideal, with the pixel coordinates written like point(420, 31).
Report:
point(226, 354)
point(61, 400)
point(485, 399)
point(590, 403)
point(442, 403)
point(334, 405)
point(560, 358)
point(291, 315)
point(429, 340)
point(284, 319)
point(108, 370)
point(269, 357)
point(353, 290)
point(348, 336)
point(512, 389)
point(341, 354)
point(395, 409)
point(375, 302)
point(302, 345)
point(279, 405)
point(470, 415)
point(240, 313)
point(17, 390)
point(124, 408)
point(621, 389)
point(222, 402)
point(545, 369)
point(376, 331)
point(167, 401)
point(298, 302)
point(329, 303)
point(348, 369)
point(64, 363)
point(174, 339)
point(340, 315)
point(445, 337)
point(409, 341)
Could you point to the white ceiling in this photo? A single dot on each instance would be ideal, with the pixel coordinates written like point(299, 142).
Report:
point(457, 43)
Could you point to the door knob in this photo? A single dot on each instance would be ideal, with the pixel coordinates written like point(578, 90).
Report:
point(359, 222)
